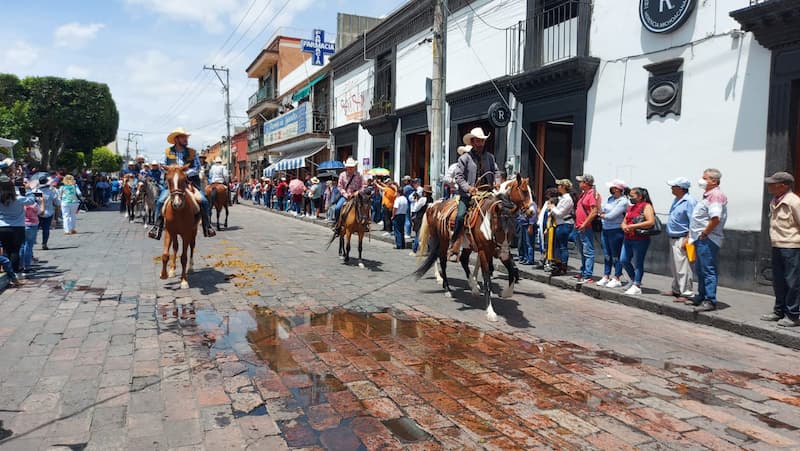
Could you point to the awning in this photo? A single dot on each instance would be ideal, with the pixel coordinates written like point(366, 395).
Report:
point(306, 90)
point(294, 160)
point(7, 142)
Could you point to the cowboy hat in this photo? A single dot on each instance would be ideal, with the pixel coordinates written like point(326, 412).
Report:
point(350, 163)
point(154, 163)
point(427, 189)
point(177, 132)
point(218, 160)
point(477, 133)
point(131, 163)
point(314, 180)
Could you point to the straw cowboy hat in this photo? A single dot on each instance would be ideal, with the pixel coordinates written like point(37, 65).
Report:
point(218, 160)
point(314, 180)
point(131, 163)
point(350, 163)
point(477, 133)
point(177, 132)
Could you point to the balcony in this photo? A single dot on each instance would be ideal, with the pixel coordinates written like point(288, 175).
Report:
point(550, 36)
point(382, 118)
point(774, 23)
point(263, 99)
point(321, 124)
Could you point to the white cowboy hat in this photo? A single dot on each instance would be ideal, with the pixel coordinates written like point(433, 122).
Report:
point(218, 160)
point(476, 132)
point(131, 163)
point(314, 180)
point(154, 162)
point(350, 163)
point(177, 132)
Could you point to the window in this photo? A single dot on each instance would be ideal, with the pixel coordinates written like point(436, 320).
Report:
point(383, 79)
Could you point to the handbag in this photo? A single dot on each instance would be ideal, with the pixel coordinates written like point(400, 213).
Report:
point(651, 231)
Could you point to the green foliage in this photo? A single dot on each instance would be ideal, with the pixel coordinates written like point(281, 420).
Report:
point(71, 159)
point(104, 160)
point(68, 116)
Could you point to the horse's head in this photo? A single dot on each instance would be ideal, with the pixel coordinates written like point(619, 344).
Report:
point(518, 191)
point(177, 183)
point(364, 207)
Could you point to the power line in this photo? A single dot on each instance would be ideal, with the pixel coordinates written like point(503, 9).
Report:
point(241, 36)
point(469, 3)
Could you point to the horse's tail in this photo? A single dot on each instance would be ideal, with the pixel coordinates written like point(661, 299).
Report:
point(429, 242)
point(422, 248)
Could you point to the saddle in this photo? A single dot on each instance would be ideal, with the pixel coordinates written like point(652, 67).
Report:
point(193, 197)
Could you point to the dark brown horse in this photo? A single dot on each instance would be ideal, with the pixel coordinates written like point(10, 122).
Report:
point(180, 220)
point(218, 198)
point(489, 229)
point(126, 201)
point(354, 218)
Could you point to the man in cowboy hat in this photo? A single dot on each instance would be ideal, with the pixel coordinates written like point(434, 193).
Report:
point(474, 167)
point(217, 174)
point(179, 153)
point(131, 170)
point(155, 171)
point(350, 183)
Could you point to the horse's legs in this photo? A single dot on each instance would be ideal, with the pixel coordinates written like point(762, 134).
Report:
point(174, 263)
point(360, 245)
point(487, 285)
point(184, 257)
point(191, 253)
point(341, 246)
point(165, 254)
point(226, 215)
point(348, 235)
point(512, 277)
point(472, 276)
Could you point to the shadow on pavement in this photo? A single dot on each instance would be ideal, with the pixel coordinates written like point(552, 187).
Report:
point(205, 279)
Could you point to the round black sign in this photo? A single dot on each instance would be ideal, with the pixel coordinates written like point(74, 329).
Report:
point(499, 114)
point(664, 16)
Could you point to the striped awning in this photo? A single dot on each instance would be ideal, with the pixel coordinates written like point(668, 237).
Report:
point(294, 160)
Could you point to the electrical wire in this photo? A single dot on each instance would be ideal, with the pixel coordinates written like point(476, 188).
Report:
point(469, 4)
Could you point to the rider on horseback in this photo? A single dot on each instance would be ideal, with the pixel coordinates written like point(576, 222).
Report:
point(350, 183)
point(179, 154)
point(155, 171)
point(131, 170)
point(217, 174)
point(473, 165)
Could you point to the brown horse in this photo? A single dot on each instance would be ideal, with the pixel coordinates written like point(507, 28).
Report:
point(489, 229)
point(354, 218)
point(126, 202)
point(181, 216)
point(217, 195)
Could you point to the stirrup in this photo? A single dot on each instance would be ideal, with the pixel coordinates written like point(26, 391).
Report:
point(155, 232)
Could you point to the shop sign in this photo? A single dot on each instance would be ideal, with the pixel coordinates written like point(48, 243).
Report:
point(288, 125)
point(318, 47)
point(664, 16)
point(499, 114)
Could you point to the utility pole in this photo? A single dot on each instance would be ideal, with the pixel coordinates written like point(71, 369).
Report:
point(438, 151)
point(131, 137)
point(226, 87)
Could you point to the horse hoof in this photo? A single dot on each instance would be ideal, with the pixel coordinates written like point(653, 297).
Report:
point(448, 294)
point(361, 265)
point(507, 293)
point(184, 284)
point(163, 277)
point(172, 274)
point(491, 317)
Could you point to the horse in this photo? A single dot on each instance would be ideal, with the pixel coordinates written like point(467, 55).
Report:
point(354, 218)
point(126, 200)
point(146, 195)
point(181, 217)
point(139, 196)
point(489, 230)
point(217, 194)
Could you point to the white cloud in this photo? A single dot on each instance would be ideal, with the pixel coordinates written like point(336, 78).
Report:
point(73, 71)
point(211, 13)
point(74, 35)
point(19, 54)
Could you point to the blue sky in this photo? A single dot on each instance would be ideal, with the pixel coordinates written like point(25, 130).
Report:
point(151, 52)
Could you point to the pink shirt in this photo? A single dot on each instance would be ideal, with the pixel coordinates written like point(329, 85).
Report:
point(32, 215)
point(350, 184)
point(587, 200)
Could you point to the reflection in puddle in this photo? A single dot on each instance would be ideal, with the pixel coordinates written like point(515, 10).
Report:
point(348, 380)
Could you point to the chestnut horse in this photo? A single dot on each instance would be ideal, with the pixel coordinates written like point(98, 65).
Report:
point(218, 198)
point(489, 231)
point(126, 201)
point(355, 218)
point(181, 216)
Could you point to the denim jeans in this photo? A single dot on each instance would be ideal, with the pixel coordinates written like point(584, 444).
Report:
point(612, 248)
point(377, 213)
point(26, 251)
point(786, 281)
point(44, 224)
point(584, 242)
point(706, 269)
point(281, 202)
point(399, 239)
point(408, 225)
point(337, 207)
point(632, 259)
point(7, 268)
point(562, 239)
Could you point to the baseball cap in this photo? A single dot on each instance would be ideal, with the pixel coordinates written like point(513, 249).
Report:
point(780, 177)
point(588, 178)
point(681, 182)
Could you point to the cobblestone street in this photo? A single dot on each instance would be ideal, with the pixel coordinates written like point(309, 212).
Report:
point(278, 344)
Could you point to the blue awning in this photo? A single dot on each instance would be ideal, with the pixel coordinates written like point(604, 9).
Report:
point(294, 160)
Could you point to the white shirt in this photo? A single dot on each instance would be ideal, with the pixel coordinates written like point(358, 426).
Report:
point(401, 204)
point(418, 204)
point(218, 173)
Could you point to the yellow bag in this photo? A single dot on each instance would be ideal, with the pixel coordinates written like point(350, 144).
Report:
point(690, 252)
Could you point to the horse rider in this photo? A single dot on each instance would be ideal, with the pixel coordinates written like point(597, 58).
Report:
point(131, 170)
point(218, 174)
point(473, 165)
point(179, 154)
point(155, 171)
point(141, 163)
point(350, 183)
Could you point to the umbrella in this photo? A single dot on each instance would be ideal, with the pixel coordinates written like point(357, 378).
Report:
point(327, 174)
point(331, 164)
point(378, 171)
point(296, 186)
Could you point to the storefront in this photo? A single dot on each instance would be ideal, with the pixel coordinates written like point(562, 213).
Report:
point(469, 108)
point(415, 143)
point(345, 141)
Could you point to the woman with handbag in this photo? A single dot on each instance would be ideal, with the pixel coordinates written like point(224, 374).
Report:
point(611, 237)
point(639, 224)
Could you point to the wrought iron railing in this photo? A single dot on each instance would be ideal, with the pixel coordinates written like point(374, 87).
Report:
point(549, 36)
point(264, 93)
point(320, 122)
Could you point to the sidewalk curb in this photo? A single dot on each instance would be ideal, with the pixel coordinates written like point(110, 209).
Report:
point(755, 329)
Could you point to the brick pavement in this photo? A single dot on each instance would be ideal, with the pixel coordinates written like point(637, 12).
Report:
point(278, 344)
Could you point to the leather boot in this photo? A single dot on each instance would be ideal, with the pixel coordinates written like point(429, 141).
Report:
point(455, 248)
point(208, 231)
point(155, 231)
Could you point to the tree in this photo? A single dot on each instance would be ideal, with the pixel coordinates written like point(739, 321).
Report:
point(71, 160)
point(14, 113)
point(104, 160)
point(71, 115)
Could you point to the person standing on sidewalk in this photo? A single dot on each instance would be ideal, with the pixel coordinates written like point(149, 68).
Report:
point(399, 213)
point(784, 234)
point(612, 213)
point(706, 232)
point(50, 201)
point(563, 212)
point(585, 213)
point(640, 216)
point(680, 214)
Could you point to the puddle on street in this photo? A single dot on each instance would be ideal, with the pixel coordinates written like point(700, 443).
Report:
point(390, 378)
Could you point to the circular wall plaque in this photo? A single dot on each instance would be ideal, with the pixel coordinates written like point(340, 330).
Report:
point(499, 114)
point(664, 16)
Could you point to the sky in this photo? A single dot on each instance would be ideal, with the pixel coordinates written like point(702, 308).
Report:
point(151, 54)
